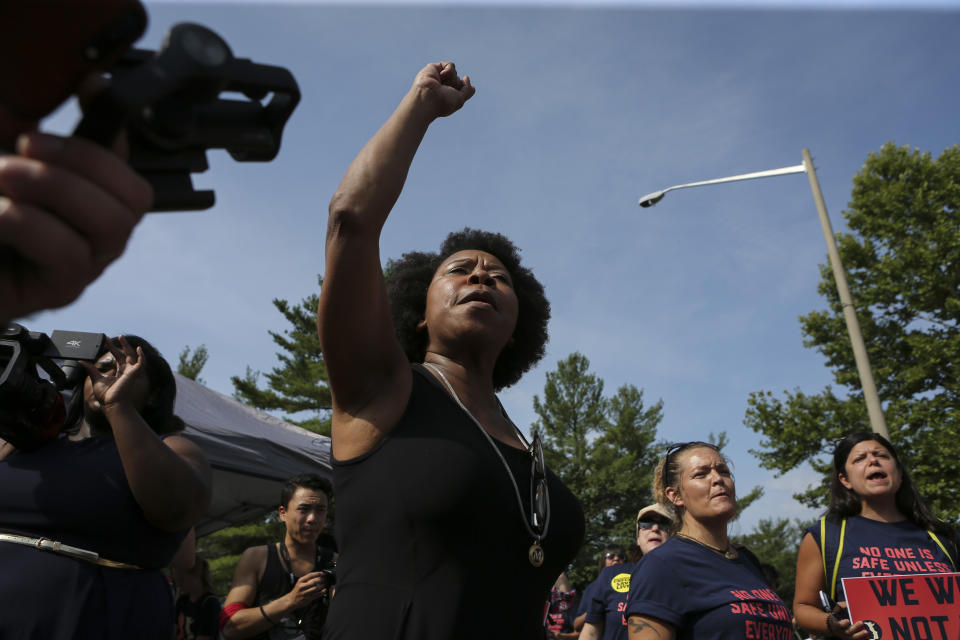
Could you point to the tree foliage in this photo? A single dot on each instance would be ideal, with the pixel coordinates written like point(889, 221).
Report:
point(190, 366)
point(902, 257)
point(603, 449)
point(298, 385)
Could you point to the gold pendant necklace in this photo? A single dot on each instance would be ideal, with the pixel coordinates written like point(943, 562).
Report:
point(535, 553)
point(729, 553)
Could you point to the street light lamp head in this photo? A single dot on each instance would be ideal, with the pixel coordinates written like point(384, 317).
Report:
point(652, 198)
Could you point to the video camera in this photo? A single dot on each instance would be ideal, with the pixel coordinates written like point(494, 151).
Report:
point(169, 102)
point(32, 408)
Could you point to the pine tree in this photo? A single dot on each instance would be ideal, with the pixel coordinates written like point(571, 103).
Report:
point(603, 449)
point(191, 365)
point(298, 385)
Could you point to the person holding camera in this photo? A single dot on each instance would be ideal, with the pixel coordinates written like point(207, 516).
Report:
point(87, 525)
point(281, 590)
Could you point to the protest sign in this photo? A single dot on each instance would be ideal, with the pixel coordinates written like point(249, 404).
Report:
point(910, 607)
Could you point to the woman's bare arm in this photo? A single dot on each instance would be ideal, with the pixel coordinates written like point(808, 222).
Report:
point(644, 628)
point(368, 373)
point(806, 600)
point(170, 479)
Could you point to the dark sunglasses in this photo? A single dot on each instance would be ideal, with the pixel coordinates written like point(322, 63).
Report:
point(539, 495)
point(672, 450)
point(614, 556)
point(649, 524)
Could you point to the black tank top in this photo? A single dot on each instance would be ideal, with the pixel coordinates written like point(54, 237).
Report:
point(432, 541)
point(299, 623)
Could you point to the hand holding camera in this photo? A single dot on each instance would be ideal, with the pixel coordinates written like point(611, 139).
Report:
point(67, 210)
point(67, 206)
point(118, 380)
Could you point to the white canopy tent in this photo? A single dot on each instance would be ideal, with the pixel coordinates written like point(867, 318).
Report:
point(252, 453)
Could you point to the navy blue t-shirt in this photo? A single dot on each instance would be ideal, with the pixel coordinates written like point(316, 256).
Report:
point(586, 597)
point(609, 601)
point(705, 596)
point(873, 548)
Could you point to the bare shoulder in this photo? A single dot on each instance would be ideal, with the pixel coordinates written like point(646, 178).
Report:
point(247, 575)
point(809, 547)
point(253, 560)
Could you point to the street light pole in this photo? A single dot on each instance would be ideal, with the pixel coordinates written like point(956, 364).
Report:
point(874, 409)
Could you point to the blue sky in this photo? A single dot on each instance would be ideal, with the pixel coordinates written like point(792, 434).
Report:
point(580, 109)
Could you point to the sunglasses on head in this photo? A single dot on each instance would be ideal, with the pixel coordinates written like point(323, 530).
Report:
point(672, 450)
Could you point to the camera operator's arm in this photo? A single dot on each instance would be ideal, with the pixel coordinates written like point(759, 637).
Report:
point(67, 207)
point(169, 478)
point(368, 371)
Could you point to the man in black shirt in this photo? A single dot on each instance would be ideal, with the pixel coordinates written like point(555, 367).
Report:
point(280, 590)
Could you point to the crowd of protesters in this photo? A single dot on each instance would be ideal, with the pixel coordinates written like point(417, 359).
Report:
point(450, 524)
point(683, 578)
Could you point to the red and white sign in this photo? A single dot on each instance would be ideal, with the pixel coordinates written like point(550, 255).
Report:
point(911, 607)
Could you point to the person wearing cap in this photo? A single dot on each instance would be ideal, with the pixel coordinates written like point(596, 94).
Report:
point(608, 600)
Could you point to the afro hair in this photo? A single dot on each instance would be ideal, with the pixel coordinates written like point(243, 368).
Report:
point(409, 277)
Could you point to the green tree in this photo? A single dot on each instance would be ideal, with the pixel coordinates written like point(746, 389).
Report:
point(902, 257)
point(603, 449)
point(191, 365)
point(299, 384)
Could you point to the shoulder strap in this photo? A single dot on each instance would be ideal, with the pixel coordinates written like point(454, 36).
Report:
point(944, 549)
point(831, 550)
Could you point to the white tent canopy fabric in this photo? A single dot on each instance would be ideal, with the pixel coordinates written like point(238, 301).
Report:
point(252, 453)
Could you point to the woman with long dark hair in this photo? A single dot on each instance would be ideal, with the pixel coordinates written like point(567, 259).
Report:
point(86, 525)
point(873, 503)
